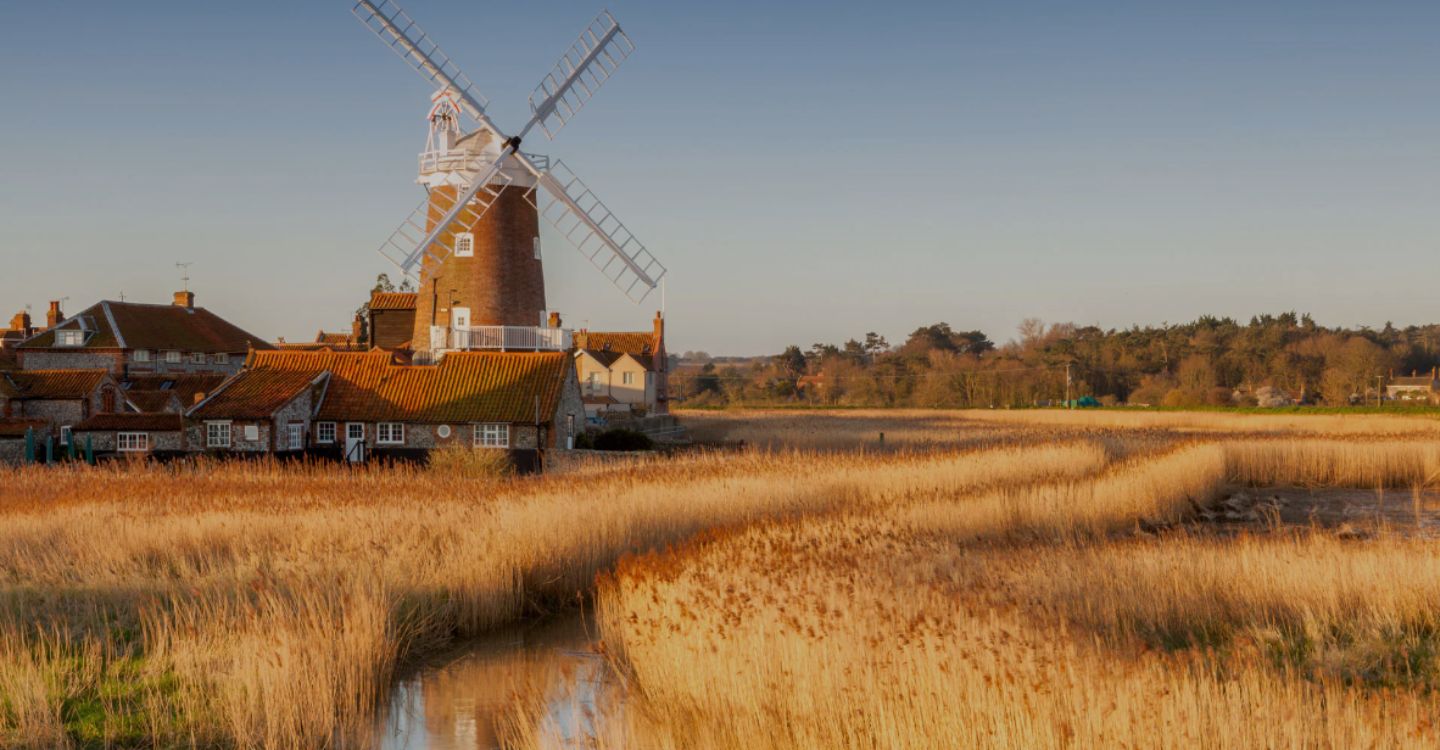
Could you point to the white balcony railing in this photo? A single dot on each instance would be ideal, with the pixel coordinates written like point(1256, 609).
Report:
point(499, 338)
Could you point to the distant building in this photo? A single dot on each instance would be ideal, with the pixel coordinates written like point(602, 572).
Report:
point(170, 394)
point(355, 405)
point(132, 434)
point(391, 321)
point(1415, 388)
point(127, 338)
point(625, 371)
point(57, 400)
point(328, 341)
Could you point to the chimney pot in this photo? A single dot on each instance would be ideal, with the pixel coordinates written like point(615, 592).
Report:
point(554, 320)
point(185, 299)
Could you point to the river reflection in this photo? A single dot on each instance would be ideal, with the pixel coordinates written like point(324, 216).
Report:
point(460, 702)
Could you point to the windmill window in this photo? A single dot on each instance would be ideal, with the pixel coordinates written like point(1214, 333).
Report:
point(465, 245)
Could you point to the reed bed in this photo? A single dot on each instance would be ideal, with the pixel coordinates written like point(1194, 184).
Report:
point(261, 605)
point(1052, 613)
point(1326, 425)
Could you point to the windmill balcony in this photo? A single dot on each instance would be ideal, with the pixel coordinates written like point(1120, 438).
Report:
point(499, 338)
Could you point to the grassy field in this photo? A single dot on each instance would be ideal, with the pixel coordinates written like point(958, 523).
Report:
point(972, 579)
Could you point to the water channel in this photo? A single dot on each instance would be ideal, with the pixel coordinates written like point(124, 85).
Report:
point(460, 700)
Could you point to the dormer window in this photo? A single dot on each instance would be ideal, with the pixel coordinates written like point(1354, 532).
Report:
point(464, 245)
point(70, 338)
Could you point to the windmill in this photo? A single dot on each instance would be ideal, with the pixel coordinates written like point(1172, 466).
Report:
point(474, 240)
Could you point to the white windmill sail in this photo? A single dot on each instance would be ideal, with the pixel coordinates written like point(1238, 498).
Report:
point(571, 207)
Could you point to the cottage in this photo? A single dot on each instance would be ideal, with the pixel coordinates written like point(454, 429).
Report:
point(1414, 388)
point(59, 399)
point(128, 338)
point(521, 402)
point(258, 411)
point(132, 434)
point(624, 371)
point(391, 320)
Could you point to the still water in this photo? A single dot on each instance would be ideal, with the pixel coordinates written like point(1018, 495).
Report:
point(460, 701)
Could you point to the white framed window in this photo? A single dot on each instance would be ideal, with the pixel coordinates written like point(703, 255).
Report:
point(172, 358)
point(325, 432)
point(132, 442)
point(142, 355)
point(628, 378)
point(594, 383)
point(217, 434)
point(390, 433)
point(222, 359)
point(65, 435)
point(464, 245)
point(252, 432)
point(197, 358)
point(492, 436)
point(69, 338)
point(295, 434)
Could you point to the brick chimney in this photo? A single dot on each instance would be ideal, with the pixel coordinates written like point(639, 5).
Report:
point(54, 316)
point(21, 322)
point(554, 320)
point(357, 330)
point(185, 299)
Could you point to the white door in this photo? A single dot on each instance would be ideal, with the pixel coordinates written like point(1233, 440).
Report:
point(354, 442)
point(295, 432)
point(460, 328)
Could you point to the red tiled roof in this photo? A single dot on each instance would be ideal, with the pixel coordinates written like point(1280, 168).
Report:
point(324, 337)
point(153, 402)
point(629, 342)
point(464, 387)
point(57, 384)
point(131, 325)
point(135, 422)
point(15, 428)
point(255, 394)
point(185, 387)
point(393, 300)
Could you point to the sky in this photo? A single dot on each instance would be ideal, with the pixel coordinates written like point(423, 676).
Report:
point(808, 171)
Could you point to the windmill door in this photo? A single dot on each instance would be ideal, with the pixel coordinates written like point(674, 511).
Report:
point(354, 442)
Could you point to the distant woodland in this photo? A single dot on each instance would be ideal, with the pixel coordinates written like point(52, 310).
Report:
point(1273, 360)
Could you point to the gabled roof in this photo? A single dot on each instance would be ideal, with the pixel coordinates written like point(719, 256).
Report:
point(393, 300)
point(631, 342)
point(256, 394)
point(136, 422)
point(56, 384)
point(609, 358)
point(464, 387)
point(154, 402)
point(184, 386)
point(130, 325)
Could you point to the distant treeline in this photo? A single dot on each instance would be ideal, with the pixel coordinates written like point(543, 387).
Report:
point(1273, 360)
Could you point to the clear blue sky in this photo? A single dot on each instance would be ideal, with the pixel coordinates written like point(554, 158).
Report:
point(808, 171)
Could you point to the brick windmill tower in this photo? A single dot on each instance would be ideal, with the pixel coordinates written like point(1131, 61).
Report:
point(474, 240)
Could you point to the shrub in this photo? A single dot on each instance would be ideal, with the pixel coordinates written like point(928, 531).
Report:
point(623, 440)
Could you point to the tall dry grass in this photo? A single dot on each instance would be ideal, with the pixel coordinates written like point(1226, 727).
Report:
point(1041, 614)
point(1332, 425)
point(263, 605)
